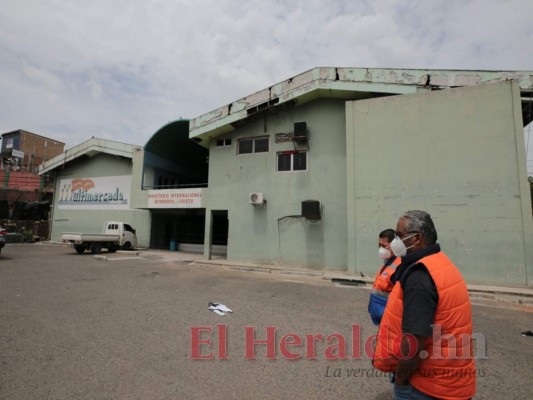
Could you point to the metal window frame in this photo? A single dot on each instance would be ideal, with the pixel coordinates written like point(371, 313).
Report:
point(292, 153)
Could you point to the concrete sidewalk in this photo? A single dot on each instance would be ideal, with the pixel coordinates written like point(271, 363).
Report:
point(512, 294)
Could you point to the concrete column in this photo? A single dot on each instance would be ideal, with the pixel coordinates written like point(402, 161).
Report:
point(208, 236)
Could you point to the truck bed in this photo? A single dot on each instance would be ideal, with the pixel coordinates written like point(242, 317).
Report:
point(78, 237)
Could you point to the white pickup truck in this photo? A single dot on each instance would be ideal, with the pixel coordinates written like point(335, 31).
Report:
point(115, 235)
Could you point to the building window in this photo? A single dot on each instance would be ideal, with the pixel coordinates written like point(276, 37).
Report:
point(128, 228)
point(165, 182)
point(253, 145)
point(223, 142)
point(292, 161)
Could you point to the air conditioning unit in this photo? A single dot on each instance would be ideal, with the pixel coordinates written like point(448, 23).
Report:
point(257, 198)
point(300, 132)
point(311, 210)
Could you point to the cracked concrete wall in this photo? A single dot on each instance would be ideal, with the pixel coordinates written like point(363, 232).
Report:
point(457, 154)
point(372, 79)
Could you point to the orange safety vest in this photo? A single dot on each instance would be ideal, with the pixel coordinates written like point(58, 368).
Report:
point(380, 290)
point(382, 281)
point(448, 370)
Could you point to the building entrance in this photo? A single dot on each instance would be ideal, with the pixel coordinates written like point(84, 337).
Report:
point(185, 227)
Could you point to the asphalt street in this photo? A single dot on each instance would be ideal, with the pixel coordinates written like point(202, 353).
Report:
point(138, 327)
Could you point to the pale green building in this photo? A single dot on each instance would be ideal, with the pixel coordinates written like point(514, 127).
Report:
point(93, 182)
point(367, 145)
point(308, 171)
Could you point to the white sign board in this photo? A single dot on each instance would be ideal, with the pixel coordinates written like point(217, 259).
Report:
point(102, 193)
point(17, 153)
point(175, 198)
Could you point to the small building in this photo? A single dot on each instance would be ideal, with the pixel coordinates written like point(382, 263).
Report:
point(24, 195)
point(93, 183)
point(25, 151)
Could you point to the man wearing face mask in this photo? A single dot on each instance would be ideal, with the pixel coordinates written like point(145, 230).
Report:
point(382, 283)
point(425, 336)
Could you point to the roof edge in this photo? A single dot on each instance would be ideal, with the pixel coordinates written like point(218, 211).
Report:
point(93, 145)
point(346, 79)
point(31, 133)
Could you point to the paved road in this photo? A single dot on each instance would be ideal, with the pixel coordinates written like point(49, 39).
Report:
point(75, 327)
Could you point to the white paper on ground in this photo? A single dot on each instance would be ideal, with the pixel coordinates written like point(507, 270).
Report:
point(218, 308)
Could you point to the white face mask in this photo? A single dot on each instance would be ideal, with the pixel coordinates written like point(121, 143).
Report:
point(384, 254)
point(398, 247)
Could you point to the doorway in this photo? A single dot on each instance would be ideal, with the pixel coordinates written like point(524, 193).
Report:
point(219, 232)
point(185, 227)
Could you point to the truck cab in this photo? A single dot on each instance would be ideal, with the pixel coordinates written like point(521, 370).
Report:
point(126, 233)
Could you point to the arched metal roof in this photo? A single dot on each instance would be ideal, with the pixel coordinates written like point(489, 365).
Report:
point(172, 142)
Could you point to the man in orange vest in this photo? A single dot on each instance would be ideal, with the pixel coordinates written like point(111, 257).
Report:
point(382, 283)
point(425, 336)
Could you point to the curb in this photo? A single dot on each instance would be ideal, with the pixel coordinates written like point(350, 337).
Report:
point(509, 294)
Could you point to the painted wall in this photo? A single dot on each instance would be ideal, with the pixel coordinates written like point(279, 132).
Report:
point(83, 220)
point(139, 197)
point(457, 154)
point(259, 233)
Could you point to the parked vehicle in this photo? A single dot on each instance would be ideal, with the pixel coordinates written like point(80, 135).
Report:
point(3, 234)
point(115, 235)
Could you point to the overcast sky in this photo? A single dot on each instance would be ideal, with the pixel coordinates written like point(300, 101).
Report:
point(122, 69)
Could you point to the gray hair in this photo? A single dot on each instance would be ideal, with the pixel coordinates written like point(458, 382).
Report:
point(420, 221)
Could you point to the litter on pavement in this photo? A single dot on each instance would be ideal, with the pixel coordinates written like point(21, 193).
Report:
point(219, 309)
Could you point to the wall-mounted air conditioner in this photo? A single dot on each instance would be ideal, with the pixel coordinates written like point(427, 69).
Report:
point(311, 210)
point(300, 132)
point(256, 198)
